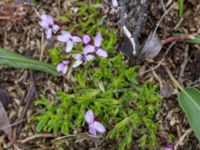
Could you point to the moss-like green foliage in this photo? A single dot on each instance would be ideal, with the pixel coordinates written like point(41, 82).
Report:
point(111, 90)
point(108, 86)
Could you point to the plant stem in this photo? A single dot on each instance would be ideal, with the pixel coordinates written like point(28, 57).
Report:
point(173, 79)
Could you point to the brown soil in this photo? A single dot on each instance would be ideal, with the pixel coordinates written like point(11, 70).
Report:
point(24, 36)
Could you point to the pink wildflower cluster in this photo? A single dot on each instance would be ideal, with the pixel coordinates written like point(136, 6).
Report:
point(90, 51)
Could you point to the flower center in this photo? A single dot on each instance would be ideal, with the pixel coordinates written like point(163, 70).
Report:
point(50, 26)
point(83, 58)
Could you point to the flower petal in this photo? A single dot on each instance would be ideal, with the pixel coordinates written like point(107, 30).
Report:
point(60, 67)
point(66, 62)
point(77, 56)
point(69, 46)
point(76, 39)
point(44, 24)
point(88, 49)
point(48, 33)
point(66, 33)
point(169, 146)
point(92, 129)
point(64, 70)
point(89, 117)
point(43, 17)
point(89, 57)
point(86, 39)
point(46, 20)
point(64, 37)
point(98, 39)
point(55, 28)
point(99, 127)
point(77, 63)
point(102, 53)
point(49, 20)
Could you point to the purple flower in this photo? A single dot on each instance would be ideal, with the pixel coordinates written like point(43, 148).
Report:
point(169, 146)
point(68, 38)
point(81, 58)
point(94, 126)
point(48, 24)
point(86, 39)
point(96, 47)
point(63, 66)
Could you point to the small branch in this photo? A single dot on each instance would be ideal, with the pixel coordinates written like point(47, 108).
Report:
point(28, 99)
point(176, 83)
point(66, 136)
point(33, 137)
point(163, 6)
point(166, 12)
point(181, 139)
point(42, 47)
point(184, 64)
point(177, 38)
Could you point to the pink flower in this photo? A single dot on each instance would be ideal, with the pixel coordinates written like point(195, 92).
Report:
point(81, 58)
point(68, 38)
point(48, 24)
point(96, 47)
point(94, 126)
point(86, 39)
point(63, 67)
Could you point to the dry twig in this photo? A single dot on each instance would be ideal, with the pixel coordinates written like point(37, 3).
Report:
point(166, 12)
point(47, 135)
point(181, 139)
point(183, 65)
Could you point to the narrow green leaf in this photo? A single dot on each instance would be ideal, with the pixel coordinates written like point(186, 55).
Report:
point(15, 60)
point(190, 103)
point(180, 5)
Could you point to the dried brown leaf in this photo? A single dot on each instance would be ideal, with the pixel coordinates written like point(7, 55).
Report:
point(151, 47)
point(166, 90)
point(4, 122)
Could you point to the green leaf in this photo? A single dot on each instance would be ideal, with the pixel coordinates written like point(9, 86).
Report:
point(15, 60)
point(42, 101)
point(41, 125)
point(143, 141)
point(180, 5)
point(190, 103)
